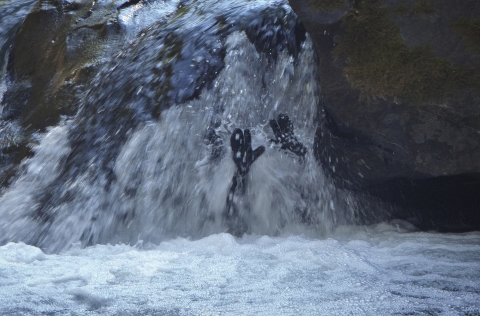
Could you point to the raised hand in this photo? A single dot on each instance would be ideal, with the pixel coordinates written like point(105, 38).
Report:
point(243, 155)
point(283, 131)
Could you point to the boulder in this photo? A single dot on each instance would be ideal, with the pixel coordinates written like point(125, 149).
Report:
point(400, 82)
point(49, 61)
point(53, 57)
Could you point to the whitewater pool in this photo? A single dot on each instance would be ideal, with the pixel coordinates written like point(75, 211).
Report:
point(377, 270)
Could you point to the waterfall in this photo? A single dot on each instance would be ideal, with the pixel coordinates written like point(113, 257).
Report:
point(122, 207)
point(117, 173)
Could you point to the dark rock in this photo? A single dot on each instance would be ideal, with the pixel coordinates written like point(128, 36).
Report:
point(448, 203)
point(272, 35)
point(400, 84)
point(15, 100)
point(53, 56)
point(127, 4)
point(50, 49)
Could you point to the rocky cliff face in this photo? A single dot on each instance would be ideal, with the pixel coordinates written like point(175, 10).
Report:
point(53, 56)
point(49, 58)
point(400, 81)
point(400, 84)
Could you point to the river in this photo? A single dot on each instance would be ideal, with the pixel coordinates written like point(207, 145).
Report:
point(121, 209)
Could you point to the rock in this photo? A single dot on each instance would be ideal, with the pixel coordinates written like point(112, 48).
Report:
point(53, 56)
point(400, 84)
point(271, 35)
point(56, 42)
point(127, 4)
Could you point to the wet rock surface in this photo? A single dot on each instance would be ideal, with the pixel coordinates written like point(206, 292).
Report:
point(415, 147)
point(51, 58)
point(105, 74)
point(419, 152)
point(55, 45)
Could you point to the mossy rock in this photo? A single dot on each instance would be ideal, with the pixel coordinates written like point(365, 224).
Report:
point(424, 7)
point(380, 64)
point(400, 82)
point(327, 5)
point(469, 29)
point(53, 44)
point(54, 55)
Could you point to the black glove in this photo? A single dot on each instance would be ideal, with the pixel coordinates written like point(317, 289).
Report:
point(243, 156)
point(283, 131)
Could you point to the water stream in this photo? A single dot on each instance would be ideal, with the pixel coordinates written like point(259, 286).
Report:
point(121, 209)
point(114, 173)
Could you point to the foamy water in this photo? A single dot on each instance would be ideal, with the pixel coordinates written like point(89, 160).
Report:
point(378, 270)
point(159, 196)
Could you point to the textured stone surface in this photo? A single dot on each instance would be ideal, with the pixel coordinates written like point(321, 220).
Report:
point(381, 143)
point(52, 51)
point(52, 58)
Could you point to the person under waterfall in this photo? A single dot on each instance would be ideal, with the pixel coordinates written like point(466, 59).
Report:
point(244, 156)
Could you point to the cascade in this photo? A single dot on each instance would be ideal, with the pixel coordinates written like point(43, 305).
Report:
point(117, 176)
point(134, 163)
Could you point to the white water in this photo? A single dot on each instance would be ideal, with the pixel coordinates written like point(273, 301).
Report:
point(379, 270)
point(317, 267)
point(179, 190)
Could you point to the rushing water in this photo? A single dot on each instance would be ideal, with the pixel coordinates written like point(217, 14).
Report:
point(134, 168)
point(117, 173)
point(369, 271)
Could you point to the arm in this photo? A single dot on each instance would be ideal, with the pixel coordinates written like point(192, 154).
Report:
point(283, 131)
point(243, 157)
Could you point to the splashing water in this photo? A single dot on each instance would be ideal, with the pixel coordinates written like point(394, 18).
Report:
point(108, 178)
point(134, 168)
point(374, 271)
